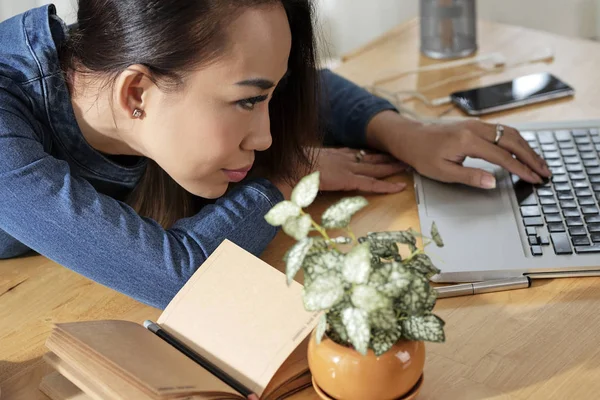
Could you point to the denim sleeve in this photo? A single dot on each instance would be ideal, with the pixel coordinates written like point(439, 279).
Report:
point(10, 247)
point(61, 216)
point(346, 109)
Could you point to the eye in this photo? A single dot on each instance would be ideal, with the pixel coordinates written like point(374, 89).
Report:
point(248, 104)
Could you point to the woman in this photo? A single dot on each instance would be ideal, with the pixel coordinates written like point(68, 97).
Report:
point(120, 141)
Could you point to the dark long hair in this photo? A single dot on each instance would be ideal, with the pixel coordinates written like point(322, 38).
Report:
point(174, 37)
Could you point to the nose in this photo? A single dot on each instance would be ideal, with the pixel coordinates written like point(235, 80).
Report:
point(259, 138)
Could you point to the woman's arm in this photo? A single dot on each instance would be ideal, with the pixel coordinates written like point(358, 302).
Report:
point(61, 216)
point(10, 248)
point(355, 118)
point(346, 110)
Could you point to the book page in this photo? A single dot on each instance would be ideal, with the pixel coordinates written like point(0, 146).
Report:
point(124, 357)
point(57, 387)
point(292, 376)
point(94, 388)
point(77, 383)
point(239, 313)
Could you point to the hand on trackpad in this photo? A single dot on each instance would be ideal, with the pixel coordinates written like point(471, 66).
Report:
point(459, 201)
point(444, 200)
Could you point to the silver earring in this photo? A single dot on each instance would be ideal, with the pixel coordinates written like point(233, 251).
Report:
point(137, 113)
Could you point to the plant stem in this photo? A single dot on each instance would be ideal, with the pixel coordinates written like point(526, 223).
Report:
point(419, 251)
point(320, 229)
point(349, 231)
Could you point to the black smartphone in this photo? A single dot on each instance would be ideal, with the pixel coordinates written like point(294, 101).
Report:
point(521, 91)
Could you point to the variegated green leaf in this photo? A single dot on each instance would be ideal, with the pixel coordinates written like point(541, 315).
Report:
point(319, 245)
point(323, 292)
point(295, 258)
point(357, 264)
point(339, 214)
point(422, 264)
point(298, 227)
point(321, 328)
point(321, 262)
point(429, 328)
point(397, 282)
point(369, 299)
point(414, 233)
point(306, 190)
point(281, 212)
point(383, 340)
point(380, 274)
point(357, 326)
point(419, 298)
point(384, 318)
point(404, 237)
point(375, 260)
point(341, 305)
point(286, 255)
point(383, 249)
point(435, 235)
point(337, 331)
point(431, 299)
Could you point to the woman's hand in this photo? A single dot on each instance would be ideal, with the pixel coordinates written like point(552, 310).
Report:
point(253, 397)
point(438, 150)
point(350, 169)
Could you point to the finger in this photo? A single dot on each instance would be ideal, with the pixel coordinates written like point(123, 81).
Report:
point(378, 158)
point(369, 157)
point(481, 148)
point(513, 142)
point(540, 160)
point(377, 170)
point(253, 397)
point(455, 173)
point(372, 185)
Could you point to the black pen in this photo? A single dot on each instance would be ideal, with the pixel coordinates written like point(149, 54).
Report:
point(197, 358)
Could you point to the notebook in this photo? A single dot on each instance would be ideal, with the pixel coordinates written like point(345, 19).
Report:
point(236, 311)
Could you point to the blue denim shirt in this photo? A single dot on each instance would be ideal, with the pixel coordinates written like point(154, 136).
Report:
point(60, 197)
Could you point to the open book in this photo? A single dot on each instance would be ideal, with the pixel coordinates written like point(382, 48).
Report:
point(236, 311)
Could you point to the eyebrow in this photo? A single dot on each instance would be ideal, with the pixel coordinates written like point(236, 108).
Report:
point(263, 84)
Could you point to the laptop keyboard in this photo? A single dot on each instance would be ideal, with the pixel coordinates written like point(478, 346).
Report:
point(563, 215)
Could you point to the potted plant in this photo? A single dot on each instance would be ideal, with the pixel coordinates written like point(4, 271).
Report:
point(377, 305)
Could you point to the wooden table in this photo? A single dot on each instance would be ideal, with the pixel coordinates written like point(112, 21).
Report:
point(540, 343)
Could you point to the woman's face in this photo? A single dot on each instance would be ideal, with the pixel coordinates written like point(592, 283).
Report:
point(205, 136)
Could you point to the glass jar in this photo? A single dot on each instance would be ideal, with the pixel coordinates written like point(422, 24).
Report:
point(448, 28)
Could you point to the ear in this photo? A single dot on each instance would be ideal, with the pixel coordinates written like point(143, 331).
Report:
point(132, 91)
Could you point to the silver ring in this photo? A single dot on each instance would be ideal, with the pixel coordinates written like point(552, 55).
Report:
point(360, 155)
point(499, 133)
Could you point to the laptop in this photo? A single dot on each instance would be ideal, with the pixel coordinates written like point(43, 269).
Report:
point(544, 231)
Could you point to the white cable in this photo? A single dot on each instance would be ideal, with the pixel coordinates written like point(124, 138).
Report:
point(498, 65)
point(494, 58)
point(440, 101)
point(545, 55)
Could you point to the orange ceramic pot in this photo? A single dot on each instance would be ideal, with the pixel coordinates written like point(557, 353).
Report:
point(345, 374)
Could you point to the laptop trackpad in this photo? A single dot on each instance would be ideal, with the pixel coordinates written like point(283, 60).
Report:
point(459, 201)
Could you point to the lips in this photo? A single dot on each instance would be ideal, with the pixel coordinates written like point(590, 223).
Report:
point(237, 175)
point(246, 169)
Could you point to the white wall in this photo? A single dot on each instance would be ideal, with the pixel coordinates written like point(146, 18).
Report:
point(351, 23)
point(347, 24)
